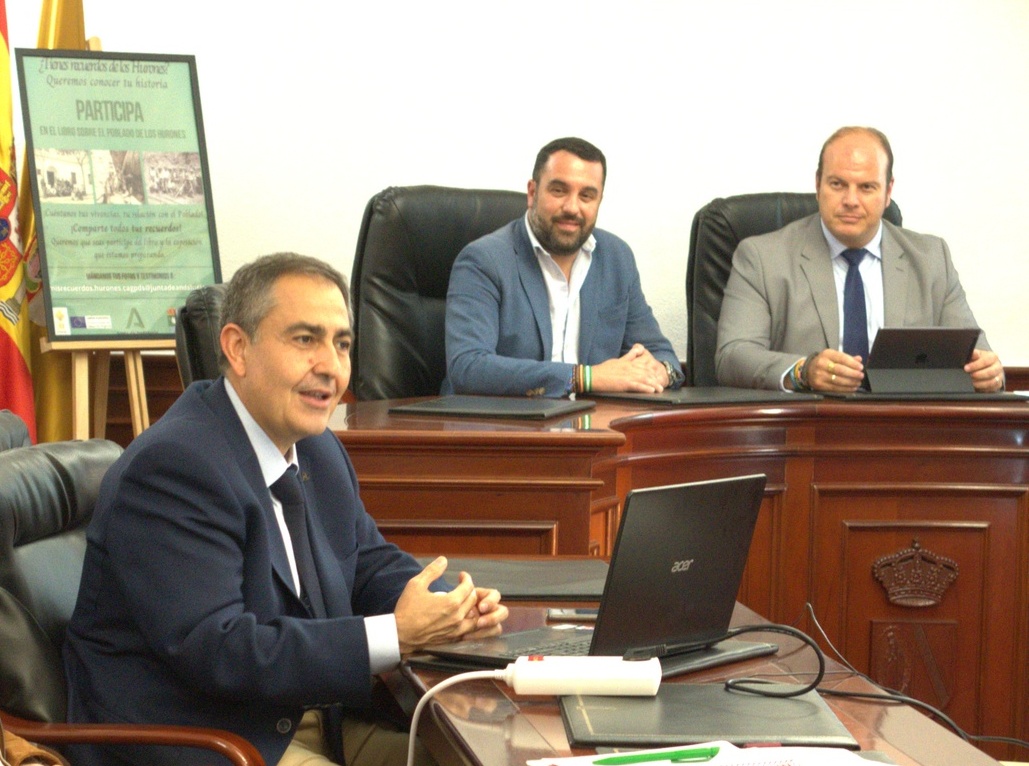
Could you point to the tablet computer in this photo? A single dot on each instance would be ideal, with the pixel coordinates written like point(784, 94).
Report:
point(921, 360)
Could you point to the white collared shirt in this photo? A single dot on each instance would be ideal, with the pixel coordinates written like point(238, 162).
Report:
point(380, 629)
point(563, 296)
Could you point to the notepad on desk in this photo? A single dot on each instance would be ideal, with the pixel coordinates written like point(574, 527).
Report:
point(727, 755)
point(689, 713)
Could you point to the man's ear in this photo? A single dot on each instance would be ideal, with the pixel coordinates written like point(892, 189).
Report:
point(235, 343)
point(531, 193)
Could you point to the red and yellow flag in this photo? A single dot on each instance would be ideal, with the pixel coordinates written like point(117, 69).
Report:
point(61, 25)
point(15, 335)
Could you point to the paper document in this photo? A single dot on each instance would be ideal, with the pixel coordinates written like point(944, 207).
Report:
point(728, 755)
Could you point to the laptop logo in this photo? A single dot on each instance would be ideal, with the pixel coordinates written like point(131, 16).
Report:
point(682, 566)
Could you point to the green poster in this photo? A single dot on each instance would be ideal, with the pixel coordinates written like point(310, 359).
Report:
point(125, 222)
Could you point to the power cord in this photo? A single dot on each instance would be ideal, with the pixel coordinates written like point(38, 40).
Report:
point(471, 675)
point(892, 695)
point(752, 685)
point(540, 674)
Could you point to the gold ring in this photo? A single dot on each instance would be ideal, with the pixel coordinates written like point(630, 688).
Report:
point(833, 378)
point(831, 366)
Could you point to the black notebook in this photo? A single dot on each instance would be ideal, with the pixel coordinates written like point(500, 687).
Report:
point(697, 396)
point(684, 714)
point(536, 408)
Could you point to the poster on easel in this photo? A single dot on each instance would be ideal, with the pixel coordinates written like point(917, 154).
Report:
point(121, 190)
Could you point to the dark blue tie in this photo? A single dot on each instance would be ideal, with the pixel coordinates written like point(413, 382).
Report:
point(855, 319)
point(289, 492)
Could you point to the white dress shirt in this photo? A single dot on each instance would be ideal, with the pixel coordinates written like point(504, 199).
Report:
point(563, 295)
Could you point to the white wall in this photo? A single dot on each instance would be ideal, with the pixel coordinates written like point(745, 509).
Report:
point(312, 107)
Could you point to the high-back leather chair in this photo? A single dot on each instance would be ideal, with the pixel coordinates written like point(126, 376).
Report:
point(13, 431)
point(408, 241)
point(717, 229)
point(47, 496)
point(197, 329)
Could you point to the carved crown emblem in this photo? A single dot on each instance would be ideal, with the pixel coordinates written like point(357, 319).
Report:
point(914, 576)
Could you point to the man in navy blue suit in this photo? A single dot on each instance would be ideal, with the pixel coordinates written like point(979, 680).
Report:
point(549, 305)
point(196, 605)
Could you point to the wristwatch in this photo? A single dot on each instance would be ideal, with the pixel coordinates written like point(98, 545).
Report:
point(672, 377)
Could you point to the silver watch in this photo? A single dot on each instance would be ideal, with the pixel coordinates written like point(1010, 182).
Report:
point(670, 370)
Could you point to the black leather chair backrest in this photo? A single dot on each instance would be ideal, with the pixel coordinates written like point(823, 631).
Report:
point(13, 431)
point(409, 239)
point(197, 330)
point(718, 228)
point(47, 496)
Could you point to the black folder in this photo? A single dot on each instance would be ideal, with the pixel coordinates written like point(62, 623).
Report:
point(536, 408)
point(684, 714)
point(696, 396)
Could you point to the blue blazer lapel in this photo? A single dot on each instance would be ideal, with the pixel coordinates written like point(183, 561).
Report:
point(591, 298)
point(531, 277)
point(335, 592)
point(218, 400)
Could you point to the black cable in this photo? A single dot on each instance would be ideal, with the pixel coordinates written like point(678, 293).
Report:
point(752, 685)
point(892, 695)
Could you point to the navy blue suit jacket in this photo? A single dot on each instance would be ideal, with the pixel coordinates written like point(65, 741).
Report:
point(186, 612)
point(499, 337)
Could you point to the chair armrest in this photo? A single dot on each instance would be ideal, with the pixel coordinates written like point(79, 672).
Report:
point(226, 744)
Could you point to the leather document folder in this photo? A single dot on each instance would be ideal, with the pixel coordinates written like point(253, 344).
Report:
point(697, 396)
point(535, 407)
point(683, 714)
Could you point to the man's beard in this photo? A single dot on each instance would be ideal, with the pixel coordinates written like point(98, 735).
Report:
point(553, 241)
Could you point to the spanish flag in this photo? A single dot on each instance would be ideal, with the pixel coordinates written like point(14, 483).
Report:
point(15, 335)
point(61, 25)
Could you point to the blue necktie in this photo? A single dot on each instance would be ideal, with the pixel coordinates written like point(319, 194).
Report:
point(289, 492)
point(855, 320)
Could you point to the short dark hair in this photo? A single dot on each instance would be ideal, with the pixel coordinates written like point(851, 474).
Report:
point(581, 148)
point(248, 296)
point(846, 131)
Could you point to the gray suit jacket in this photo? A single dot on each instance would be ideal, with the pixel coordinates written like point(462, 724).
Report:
point(499, 338)
point(780, 301)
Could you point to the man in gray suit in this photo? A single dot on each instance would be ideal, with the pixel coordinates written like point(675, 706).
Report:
point(782, 324)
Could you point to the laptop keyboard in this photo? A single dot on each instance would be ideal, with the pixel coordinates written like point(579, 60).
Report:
point(570, 647)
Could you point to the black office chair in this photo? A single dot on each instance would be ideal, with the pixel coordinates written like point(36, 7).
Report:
point(47, 496)
point(197, 330)
point(718, 228)
point(409, 239)
point(13, 431)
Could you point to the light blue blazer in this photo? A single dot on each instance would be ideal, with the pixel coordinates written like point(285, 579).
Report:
point(498, 333)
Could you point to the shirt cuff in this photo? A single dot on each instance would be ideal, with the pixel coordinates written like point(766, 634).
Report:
point(383, 643)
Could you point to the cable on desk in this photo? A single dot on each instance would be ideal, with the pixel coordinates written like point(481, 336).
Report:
point(471, 675)
point(753, 685)
point(892, 695)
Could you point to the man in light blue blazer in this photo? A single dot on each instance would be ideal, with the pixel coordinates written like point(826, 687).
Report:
point(781, 324)
point(550, 306)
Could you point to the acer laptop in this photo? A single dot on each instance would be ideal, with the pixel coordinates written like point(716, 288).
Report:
point(670, 590)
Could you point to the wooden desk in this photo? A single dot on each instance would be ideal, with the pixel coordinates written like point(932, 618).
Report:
point(849, 484)
point(485, 722)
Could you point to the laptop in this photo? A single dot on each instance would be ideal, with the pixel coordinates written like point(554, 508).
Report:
point(670, 590)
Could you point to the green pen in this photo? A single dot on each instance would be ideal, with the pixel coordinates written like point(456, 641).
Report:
point(691, 755)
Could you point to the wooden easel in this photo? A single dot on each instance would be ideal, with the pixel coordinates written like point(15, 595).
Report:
point(81, 351)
